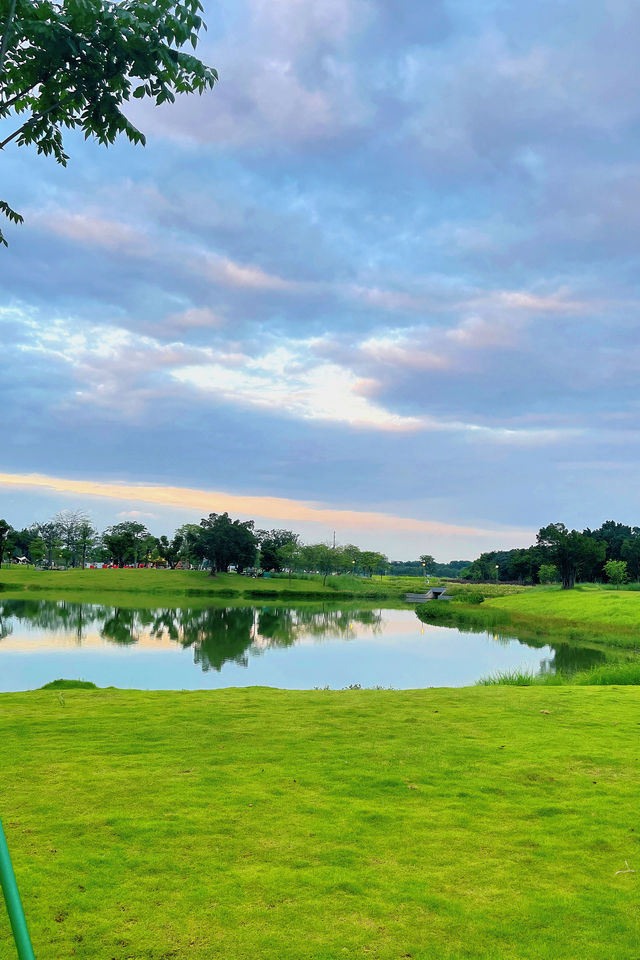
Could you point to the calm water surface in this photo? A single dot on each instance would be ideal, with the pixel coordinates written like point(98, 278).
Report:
point(296, 648)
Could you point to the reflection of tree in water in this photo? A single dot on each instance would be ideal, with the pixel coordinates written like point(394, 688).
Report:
point(566, 658)
point(54, 617)
point(217, 635)
point(280, 626)
point(228, 635)
point(121, 626)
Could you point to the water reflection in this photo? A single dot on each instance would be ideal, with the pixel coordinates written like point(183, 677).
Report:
point(567, 658)
point(166, 648)
point(216, 635)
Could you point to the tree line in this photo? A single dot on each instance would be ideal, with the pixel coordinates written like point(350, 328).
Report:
point(217, 543)
point(609, 553)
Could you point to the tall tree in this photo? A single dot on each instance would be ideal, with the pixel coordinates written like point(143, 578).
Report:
point(372, 562)
point(271, 542)
point(223, 541)
point(631, 553)
point(428, 562)
point(51, 535)
point(321, 558)
point(571, 551)
point(70, 523)
point(75, 63)
point(5, 530)
point(87, 535)
point(124, 541)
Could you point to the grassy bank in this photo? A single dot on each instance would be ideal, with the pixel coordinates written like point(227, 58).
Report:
point(587, 605)
point(127, 588)
point(475, 823)
point(588, 614)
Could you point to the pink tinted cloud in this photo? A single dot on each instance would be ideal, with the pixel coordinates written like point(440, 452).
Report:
point(98, 232)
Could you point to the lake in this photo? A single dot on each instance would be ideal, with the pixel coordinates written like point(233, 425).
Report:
point(295, 648)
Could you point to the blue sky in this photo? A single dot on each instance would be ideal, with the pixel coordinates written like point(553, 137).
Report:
point(382, 280)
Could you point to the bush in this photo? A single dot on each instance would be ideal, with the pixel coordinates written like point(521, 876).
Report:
point(69, 685)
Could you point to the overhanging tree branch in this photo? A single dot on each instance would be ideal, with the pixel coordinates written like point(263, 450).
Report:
point(5, 34)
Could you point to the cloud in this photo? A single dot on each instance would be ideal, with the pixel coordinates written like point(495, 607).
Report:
point(277, 381)
point(273, 508)
point(194, 317)
point(403, 351)
point(84, 228)
point(225, 271)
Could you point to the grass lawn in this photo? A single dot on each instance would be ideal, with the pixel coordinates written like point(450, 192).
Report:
point(175, 587)
point(583, 605)
point(587, 614)
point(436, 824)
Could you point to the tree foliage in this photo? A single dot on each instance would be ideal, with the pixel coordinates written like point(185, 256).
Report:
point(75, 63)
point(548, 573)
point(223, 542)
point(428, 563)
point(272, 542)
point(616, 571)
point(5, 530)
point(125, 542)
point(572, 552)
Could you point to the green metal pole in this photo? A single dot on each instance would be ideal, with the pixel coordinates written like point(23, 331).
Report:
point(13, 902)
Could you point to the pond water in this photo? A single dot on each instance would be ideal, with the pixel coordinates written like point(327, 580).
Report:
point(295, 648)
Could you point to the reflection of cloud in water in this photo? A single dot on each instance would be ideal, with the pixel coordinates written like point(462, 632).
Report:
point(220, 635)
point(216, 635)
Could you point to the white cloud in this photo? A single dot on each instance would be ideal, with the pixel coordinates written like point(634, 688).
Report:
point(282, 381)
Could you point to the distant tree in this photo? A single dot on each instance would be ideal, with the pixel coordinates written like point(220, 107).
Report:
point(319, 557)
point(613, 535)
point(71, 523)
point(271, 542)
point(428, 562)
point(5, 530)
point(169, 550)
point(223, 541)
point(372, 562)
point(123, 542)
point(290, 556)
point(37, 549)
point(571, 551)
point(184, 540)
point(75, 63)
point(86, 538)
point(616, 571)
point(630, 552)
point(19, 542)
point(51, 535)
point(548, 573)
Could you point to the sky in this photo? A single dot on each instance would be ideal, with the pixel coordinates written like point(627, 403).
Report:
point(383, 280)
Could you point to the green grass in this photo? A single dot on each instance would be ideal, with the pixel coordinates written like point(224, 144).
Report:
point(606, 674)
point(621, 674)
point(587, 614)
point(509, 678)
point(437, 825)
point(126, 588)
point(175, 587)
point(588, 605)
point(69, 685)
